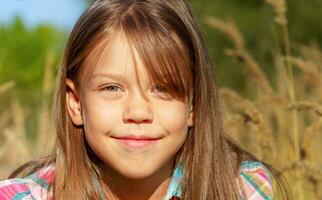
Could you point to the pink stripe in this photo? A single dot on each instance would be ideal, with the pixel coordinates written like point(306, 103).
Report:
point(263, 174)
point(9, 191)
point(47, 175)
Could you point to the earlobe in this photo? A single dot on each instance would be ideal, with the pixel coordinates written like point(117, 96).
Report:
point(73, 103)
point(191, 117)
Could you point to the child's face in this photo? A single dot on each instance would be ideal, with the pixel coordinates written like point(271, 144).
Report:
point(112, 107)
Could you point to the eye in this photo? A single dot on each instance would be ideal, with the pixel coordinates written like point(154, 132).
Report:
point(111, 88)
point(162, 92)
point(160, 88)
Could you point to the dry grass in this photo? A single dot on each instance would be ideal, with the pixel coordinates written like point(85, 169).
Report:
point(275, 126)
point(279, 126)
point(15, 147)
point(6, 86)
point(280, 9)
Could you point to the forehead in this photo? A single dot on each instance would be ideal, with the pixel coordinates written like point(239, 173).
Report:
point(114, 56)
point(162, 59)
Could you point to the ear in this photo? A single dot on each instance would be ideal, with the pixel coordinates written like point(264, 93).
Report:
point(191, 116)
point(73, 103)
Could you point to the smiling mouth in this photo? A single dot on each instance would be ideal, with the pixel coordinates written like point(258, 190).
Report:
point(136, 142)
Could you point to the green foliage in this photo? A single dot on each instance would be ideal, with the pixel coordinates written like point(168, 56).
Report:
point(23, 51)
point(23, 54)
point(256, 21)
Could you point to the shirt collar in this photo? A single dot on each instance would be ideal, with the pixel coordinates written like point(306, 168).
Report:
point(174, 189)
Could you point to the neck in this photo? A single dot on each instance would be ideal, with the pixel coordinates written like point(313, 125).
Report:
point(153, 187)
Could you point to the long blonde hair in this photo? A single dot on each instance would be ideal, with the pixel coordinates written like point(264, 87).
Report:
point(167, 38)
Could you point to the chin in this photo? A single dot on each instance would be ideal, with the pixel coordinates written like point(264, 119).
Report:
point(137, 173)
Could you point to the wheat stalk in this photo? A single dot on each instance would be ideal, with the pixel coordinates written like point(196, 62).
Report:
point(6, 86)
point(280, 9)
point(280, 107)
point(280, 18)
point(254, 70)
point(250, 114)
point(4, 119)
point(240, 103)
point(308, 67)
point(229, 27)
point(313, 53)
point(310, 133)
point(15, 141)
point(231, 30)
point(307, 105)
point(45, 134)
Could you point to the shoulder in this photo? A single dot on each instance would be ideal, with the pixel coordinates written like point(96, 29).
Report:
point(255, 181)
point(34, 186)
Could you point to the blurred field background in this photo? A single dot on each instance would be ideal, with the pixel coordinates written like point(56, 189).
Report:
point(268, 62)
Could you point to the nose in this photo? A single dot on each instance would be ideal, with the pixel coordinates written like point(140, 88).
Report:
point(138, 109)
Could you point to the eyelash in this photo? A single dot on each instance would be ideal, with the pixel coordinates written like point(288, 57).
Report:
point(162, 88)
point(105, 88)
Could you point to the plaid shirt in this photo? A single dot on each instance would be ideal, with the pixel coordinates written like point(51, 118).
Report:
point(256, 184)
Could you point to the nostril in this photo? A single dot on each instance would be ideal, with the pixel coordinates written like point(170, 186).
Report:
point(146, 121)
point(138, 112)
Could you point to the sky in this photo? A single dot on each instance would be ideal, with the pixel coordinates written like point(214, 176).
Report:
point(61, 13)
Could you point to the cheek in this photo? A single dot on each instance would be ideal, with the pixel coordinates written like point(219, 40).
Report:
point(172, 117)
point(99, 117)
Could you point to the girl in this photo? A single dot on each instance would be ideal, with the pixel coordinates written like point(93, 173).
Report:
point(138, 116)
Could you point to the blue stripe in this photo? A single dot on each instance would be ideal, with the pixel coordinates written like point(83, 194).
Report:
point(20, 195)
point(250, 164)
point(255, 165)
point(259, 190)
point(39, 181)
point(174, 189)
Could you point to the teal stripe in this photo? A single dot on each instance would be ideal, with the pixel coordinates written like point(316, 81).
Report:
point(39, 181)
point(174, 189)
point(254, 164)
point(259, 190)
point(20, 195)
point(250, 164)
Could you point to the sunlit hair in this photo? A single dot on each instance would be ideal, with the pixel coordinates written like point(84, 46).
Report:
point(166, 37)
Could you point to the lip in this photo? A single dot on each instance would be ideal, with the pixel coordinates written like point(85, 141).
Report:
point(136, 141)
point(136, 137)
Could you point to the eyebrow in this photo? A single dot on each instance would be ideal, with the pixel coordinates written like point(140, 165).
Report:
point(112, 76)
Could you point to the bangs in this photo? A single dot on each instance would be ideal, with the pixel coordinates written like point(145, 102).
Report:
point(160, 39)
point(164, 53)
